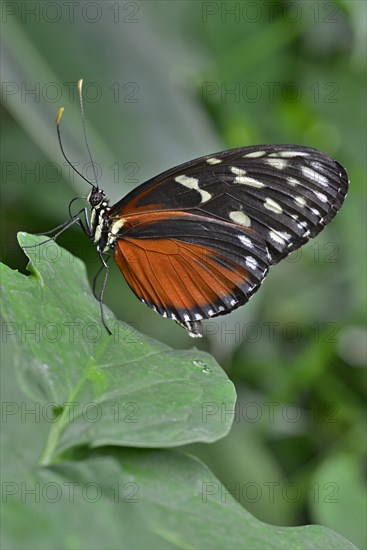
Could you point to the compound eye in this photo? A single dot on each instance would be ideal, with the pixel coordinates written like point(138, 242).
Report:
point(96, 198)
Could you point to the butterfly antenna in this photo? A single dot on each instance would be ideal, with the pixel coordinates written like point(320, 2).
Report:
point(80, 84)
point(58, 118)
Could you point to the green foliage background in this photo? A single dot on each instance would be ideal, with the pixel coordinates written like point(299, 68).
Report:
point(163, 73)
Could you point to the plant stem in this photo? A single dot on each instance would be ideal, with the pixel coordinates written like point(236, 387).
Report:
point(51, 443)
point(58, 427)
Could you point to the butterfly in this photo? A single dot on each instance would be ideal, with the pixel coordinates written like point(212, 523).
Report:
point(197, 241)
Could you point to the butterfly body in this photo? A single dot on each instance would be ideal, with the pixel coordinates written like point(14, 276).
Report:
point(197, 241)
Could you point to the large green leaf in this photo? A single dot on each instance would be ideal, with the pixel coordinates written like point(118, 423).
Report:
point(95, 389)
point(117, 498)
point(146, 499)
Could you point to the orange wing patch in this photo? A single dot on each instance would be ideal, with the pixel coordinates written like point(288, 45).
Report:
point(177, 277)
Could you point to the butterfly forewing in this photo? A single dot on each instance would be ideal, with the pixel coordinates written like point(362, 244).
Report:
point(197, 240)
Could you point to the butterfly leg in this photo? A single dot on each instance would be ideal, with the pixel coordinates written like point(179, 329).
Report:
point(63, 227)
point(86, 228)
point(95, 278)
point(104, 282)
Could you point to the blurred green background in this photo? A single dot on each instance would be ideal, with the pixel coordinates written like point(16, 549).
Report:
point(165, 82)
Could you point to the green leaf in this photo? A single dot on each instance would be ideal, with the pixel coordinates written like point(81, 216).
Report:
point(123, 498)
point(339, 487)
point(138, 499)
point(95, 389)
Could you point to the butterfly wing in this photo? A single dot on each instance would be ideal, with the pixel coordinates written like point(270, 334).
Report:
point(244, 209)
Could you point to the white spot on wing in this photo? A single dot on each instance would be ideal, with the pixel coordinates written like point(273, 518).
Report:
point(240, 217)
point(255, 154)
point(321, 196)
point(277, 163)
point(238, 171)
point(273, 206)
point(251, 262)
point(292, 181)
point(249, 181)
point(300, 200)
point(279, 236)
point(193, 183)
point(246, 241)
point(289, 154)
point(275, 237)
point(198, 317)
point(302, 225)
point(213, 160)
point(314, 176)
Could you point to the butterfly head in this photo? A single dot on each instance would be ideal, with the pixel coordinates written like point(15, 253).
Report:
point(96, 197)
